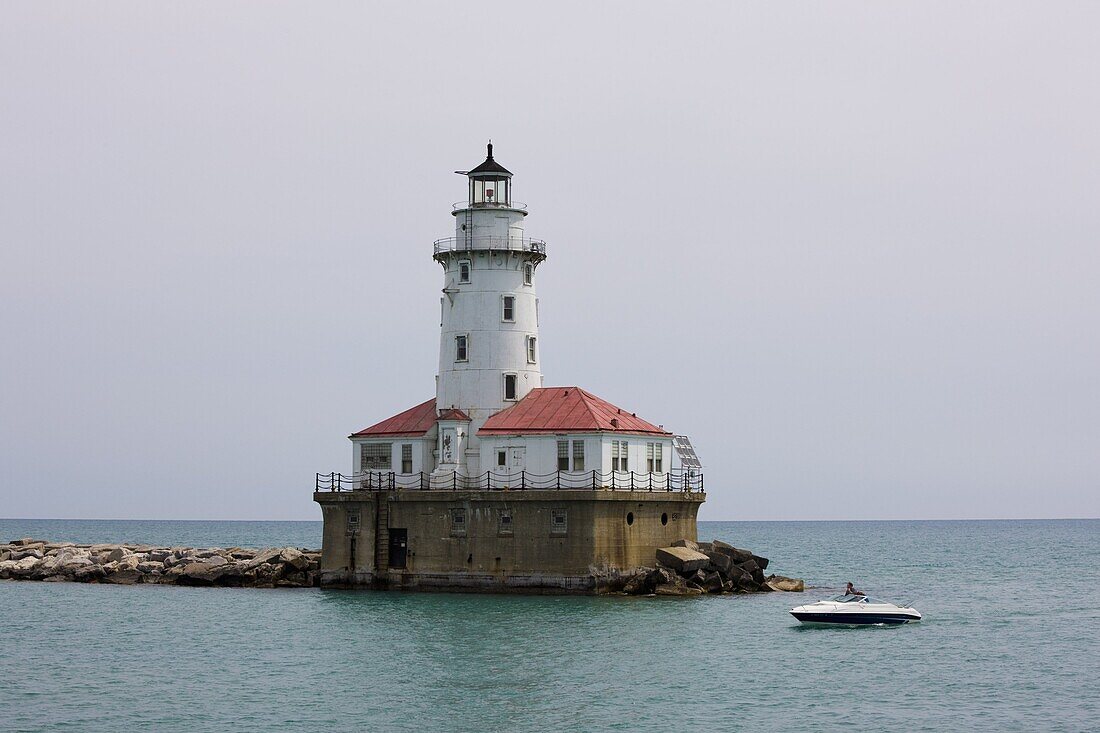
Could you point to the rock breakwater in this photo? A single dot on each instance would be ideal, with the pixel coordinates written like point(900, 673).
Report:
point(693, 568)
point(127, 564)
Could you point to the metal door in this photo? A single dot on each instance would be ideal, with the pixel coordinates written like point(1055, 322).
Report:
point(517, 458)
point(399, 550)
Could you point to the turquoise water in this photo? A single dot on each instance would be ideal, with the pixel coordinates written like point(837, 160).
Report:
point(1009, 643)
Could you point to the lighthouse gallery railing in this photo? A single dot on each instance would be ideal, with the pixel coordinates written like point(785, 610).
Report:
point(516, 481)
point(503, 244)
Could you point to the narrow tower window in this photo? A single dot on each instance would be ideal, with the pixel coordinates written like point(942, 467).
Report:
point(578, 455)
point(462, 344)
point(464, 272)
point(563, 455)
point(528, 273)
point(509, 386)
point(531, 351)
point(508, 310)
point(406, 458)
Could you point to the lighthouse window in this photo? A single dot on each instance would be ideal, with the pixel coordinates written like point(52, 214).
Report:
point(654, 457)
point(406, 458)
point(563, 455)
point(531, 353)
point(578, 455)
point(502, 458)
point(508, 310)
point(462, 344)
point(509, 386)
point(619, 454)
point(464, 272)
point(375, 456)
point(528, 273)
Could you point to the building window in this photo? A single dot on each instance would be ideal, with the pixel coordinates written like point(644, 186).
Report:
point(509, 386)
point(619, 454)
point(353, 522)
point(464, 272)
point(504, 523)
point(458, 522)
point(528, 273)
point(407, 458)
point(508, 308)
point(654, 457)
point(375, 456)
point(559, 524)
point(563, 455)
point(502, 458)
point(532, 352)
point(462, 348)
point(578, 455)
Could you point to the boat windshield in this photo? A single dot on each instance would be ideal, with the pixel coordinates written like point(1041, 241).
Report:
point(846, 598)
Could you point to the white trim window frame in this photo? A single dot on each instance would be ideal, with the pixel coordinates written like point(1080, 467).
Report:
point(528, 273)
point(515, 386)
point(462, 347)
point(620, 455)
point(464, 269)
point(507, 309)
point(532, 350)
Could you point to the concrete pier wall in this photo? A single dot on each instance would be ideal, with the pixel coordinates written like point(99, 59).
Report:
point(529, 541)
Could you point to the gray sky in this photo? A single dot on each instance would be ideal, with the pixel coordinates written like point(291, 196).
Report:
point(850, 249)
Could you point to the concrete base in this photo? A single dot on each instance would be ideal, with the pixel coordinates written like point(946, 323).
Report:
point(534, 541)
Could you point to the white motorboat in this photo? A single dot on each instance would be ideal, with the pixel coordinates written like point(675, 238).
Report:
point(849, 609)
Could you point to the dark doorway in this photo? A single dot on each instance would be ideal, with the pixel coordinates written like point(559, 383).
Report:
point(399, 547)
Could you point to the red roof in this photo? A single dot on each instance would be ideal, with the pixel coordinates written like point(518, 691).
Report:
point(565, 410)
point(453, 414)
point(413, 421)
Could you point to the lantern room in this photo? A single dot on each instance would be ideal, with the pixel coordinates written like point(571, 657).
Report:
point(490, 183)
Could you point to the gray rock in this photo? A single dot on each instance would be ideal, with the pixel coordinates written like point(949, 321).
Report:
point(789, 585)
point(293, 557)
point(26, 541)
point(690, 544)
point(119, 553)
point(214, 560)
point(264, 556)
point(739, 556)
point(20, 554)
point(712, 583)
point(150, 566)
point(761, 561)
point(682, 559)
point(720, 560)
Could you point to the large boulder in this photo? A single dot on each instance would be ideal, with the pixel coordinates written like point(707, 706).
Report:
point(739, 556)
point(712, 583)
point(293, 557)
point(719, 561)
point(761, 561)
point(679, 587)
point(117, 554)
point(790, 585)
point(690, 544)
point(27, 541)
point(682, 559)
point(263, 557)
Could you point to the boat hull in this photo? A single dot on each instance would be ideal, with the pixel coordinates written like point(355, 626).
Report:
point(838, 618)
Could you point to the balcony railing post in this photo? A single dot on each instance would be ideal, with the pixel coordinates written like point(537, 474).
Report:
point(454, 480)
point(631, 480)
point(593, 479)
point(523, 479)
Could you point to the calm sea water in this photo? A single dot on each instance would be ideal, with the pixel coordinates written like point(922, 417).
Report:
point(1009, 643)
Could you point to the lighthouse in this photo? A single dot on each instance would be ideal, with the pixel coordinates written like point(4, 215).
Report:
point(489, 344)
point(499, 482)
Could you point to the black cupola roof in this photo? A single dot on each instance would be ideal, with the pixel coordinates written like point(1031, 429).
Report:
point(490, 167)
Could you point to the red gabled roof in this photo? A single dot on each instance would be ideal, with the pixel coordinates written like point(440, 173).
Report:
point(565, 410)
point(453, 414)
point(413, 421)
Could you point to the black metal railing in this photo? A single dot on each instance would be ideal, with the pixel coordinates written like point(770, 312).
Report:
point(688, 481)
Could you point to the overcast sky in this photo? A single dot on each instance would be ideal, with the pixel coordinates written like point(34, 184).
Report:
point(850, 249)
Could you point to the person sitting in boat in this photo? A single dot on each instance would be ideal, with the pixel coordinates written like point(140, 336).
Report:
point(851, 590)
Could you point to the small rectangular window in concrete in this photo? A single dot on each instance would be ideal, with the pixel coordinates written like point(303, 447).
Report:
point(558, 521)
point(504, 525)
point(353, 522)
point(458, 522)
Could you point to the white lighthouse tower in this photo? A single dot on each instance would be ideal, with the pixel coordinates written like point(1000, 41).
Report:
point(489, 349)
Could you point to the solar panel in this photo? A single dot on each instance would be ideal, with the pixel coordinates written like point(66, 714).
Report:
point(688, 457)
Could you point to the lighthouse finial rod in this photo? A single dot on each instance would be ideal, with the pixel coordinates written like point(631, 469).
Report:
point(489, 148)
